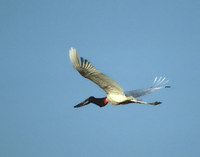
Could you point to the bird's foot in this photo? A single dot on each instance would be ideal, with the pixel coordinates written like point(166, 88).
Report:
point(156, 103)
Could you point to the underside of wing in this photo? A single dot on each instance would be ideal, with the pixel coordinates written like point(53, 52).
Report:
point(157, 84)
point(87, 70)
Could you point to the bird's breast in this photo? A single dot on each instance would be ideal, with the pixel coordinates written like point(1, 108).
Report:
point(116, 99)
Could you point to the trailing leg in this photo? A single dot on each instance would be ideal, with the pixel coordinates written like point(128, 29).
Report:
point(151, 103)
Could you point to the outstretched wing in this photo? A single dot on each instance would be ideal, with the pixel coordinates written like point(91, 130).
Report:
point(157, 84)
point(87, 70)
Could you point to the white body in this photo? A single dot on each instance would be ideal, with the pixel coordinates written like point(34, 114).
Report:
point(115, 94)
point(116, 99)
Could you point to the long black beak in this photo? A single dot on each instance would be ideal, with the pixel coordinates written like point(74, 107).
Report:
point(87, 101)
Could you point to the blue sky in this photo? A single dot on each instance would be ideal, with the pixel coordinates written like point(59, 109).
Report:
point(131, 41)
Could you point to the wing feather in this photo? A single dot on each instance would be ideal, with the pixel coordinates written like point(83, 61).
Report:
point(157, 84)
point(87, 70)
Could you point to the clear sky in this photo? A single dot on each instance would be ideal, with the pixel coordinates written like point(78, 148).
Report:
point(132, 41)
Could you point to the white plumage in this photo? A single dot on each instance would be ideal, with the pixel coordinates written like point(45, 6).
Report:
point(115, 94)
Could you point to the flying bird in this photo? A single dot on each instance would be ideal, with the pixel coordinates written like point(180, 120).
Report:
point(115, 94)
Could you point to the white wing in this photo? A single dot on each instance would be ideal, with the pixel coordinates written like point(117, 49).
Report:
point(87, 70)
point(157, 84)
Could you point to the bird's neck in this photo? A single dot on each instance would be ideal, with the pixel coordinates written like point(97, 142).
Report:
point(99, 101)
point(105, 100)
